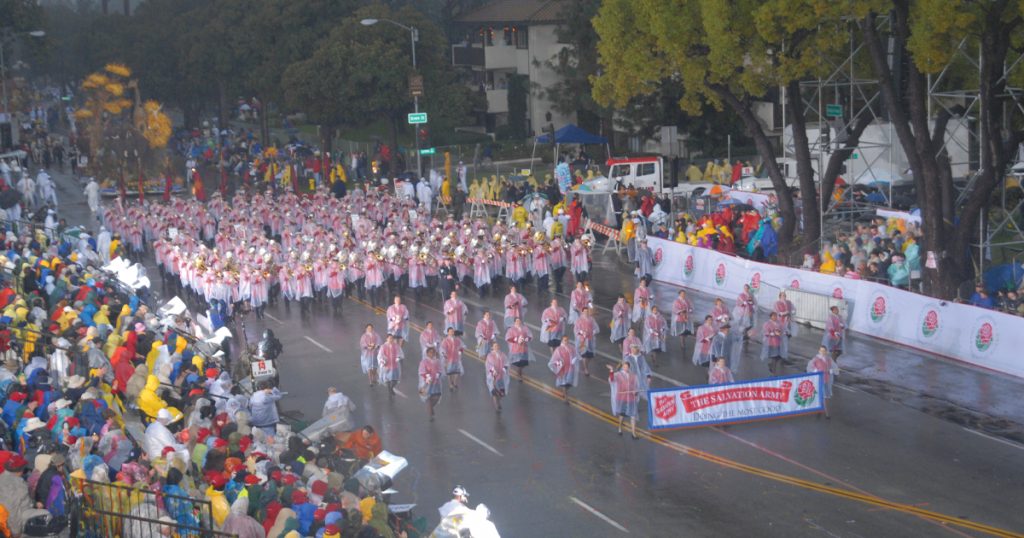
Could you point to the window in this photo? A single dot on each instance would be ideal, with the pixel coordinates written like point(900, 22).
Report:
point(522, 38)
point(620, 170)
point(509, 35)
point(645, 169)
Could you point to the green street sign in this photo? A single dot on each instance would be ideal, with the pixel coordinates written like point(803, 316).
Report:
point(417, 118)
point(428, 151)
point(854, 156)
point(834, 111)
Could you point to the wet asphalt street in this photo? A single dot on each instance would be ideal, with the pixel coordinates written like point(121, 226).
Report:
point(917, 446)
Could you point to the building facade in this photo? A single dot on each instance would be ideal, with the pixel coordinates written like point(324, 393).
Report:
point(506, 38)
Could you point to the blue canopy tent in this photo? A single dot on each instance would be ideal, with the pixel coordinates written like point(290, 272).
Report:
point(569, 134)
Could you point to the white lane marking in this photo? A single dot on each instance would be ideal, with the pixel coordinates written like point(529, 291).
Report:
point(318, 344)
point(846, 388)
point(479, 442)
point(994, 438)
point(400, 393)
point(592, 510)
point(273, 318)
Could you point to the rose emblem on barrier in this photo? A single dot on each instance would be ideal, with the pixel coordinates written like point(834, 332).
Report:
point(664, 407)
point(984, 337)
point(720, 274)
point(930, 323)
point(795, 284)
point(658, 255)
point(878, 309)
point(837, 293)
point(755, 282)
point(688, 265)
point(805, 393)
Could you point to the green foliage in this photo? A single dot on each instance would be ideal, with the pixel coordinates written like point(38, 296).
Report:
point(518, 88)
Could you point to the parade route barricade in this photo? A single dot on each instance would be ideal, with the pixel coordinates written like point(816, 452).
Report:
point(503, 208)
point(961, 332)
point(728, 403)
point(612, 235)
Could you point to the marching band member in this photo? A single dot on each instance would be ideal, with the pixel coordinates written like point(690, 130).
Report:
point(389, 363)
point(454, 313)
point(772, 337)
point(430, 380)
point(497, 376)
point(620, 320)
point(586, 329)
point(518, 338)
point(682, 325)
point(565, 364)
point(369, 344)
point(486, 333)
point(451, 356)
point(624, 395)
point(655, 333)
point(552, 324)
point(515, 305)
point(398, 319)
point(702, 346)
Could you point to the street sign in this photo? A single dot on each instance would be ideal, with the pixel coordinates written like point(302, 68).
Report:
point(428, 151)
point(416, 85)
point(854, 156)
point(416, 118)
point(834, 111)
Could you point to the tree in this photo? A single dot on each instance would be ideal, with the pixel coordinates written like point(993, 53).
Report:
point(331, 86)
point(731, 54)
point(518, 89)
point(927, 32)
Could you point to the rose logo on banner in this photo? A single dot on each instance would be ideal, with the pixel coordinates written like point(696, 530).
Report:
point(658, 255)
point(805, 393)
point(878, 309)
point(755, 282)
point(665, 406)
point(837, 292)
point(688, 265)
point(984, 337)
point(720, 274)
point(929, 321)
point(795, 284)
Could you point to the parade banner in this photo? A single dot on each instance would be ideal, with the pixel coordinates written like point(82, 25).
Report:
point(758, 399)
point(962, 332)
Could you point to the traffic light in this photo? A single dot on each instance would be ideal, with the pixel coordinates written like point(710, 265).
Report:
point(423, 133)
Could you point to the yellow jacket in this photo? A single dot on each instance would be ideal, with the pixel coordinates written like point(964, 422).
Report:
point(828, 263)
point(102, 316)
point(218, 505)
point(446, 190)
point(628, 231)
point(520, 216)
point(149, 402)
point(125, 312)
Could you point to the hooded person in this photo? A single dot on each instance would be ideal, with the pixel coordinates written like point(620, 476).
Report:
point(284, 523)
point(159, 437)
point(14, 493)
point(239, 523)
point(150, 402)
point(136, 383)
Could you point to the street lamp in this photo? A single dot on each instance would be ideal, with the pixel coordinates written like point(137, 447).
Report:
point(7, 37)
point(414, 36)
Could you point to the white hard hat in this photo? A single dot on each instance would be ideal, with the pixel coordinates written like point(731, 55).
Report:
point(460, 491)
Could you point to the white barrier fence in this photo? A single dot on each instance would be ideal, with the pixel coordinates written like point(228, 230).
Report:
point(813, 308)
point(974, 335)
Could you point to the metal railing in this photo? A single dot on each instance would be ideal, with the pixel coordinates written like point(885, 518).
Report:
point(106, 510)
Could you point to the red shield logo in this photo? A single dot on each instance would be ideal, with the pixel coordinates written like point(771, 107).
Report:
point(665, 407)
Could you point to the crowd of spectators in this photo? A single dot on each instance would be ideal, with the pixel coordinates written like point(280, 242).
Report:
point(98, 393)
